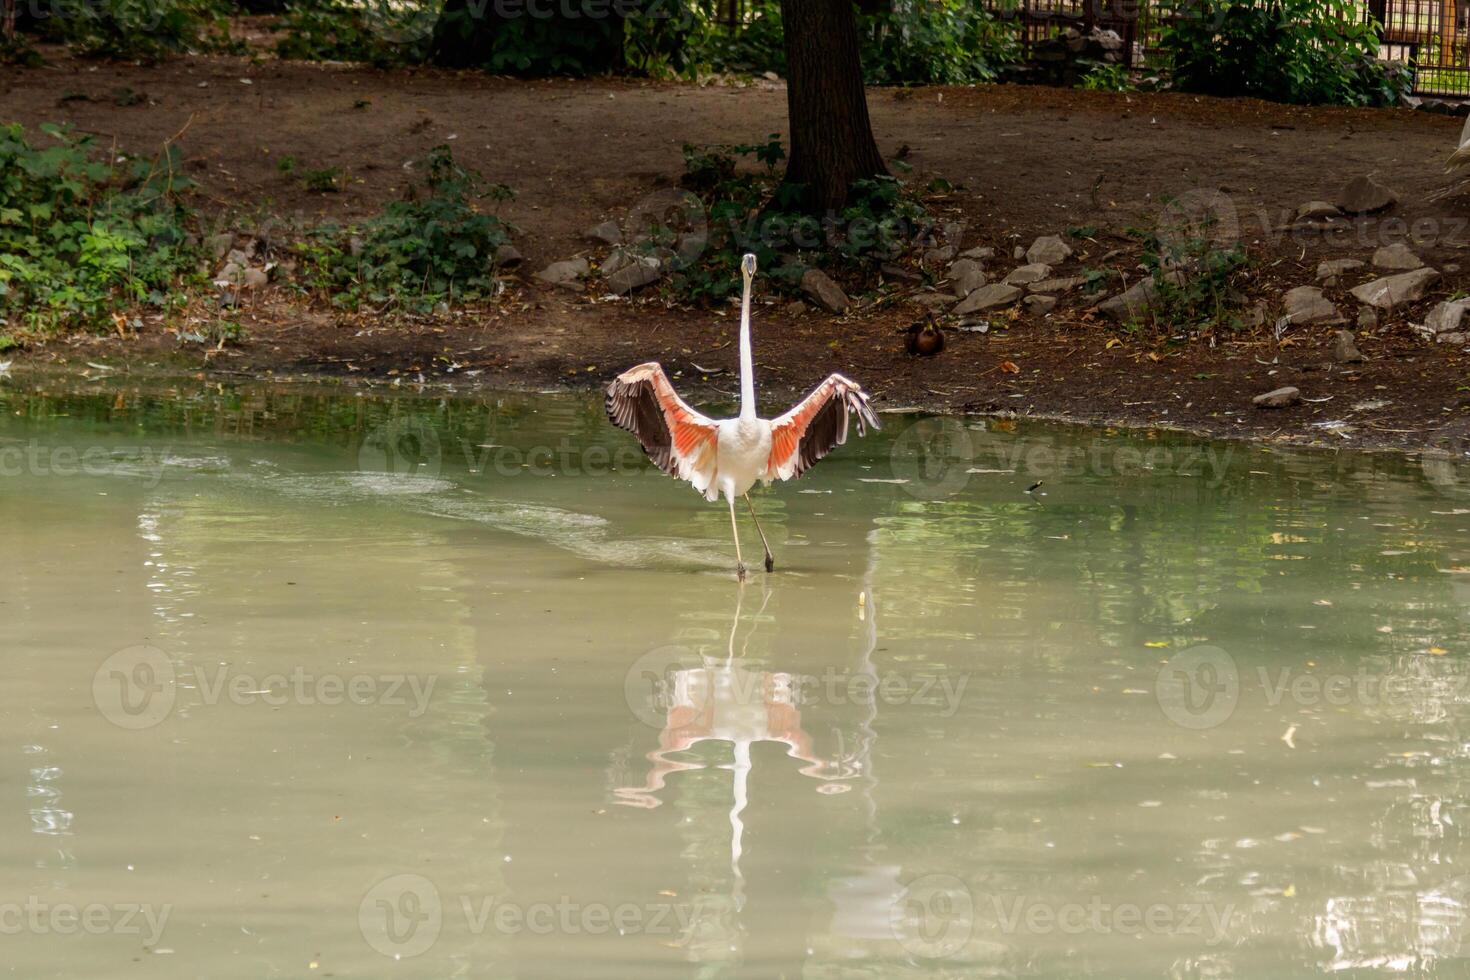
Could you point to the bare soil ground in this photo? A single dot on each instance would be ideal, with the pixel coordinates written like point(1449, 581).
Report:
point(1026, 161)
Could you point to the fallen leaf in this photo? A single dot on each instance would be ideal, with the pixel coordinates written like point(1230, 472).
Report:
point(1009, 367)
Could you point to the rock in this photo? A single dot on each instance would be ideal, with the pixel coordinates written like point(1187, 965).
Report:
point(966, 276)
point(617, 259)
point(898, 272)
point(254, 279)
point(508, 255)
point(1280, 398)
point(1317, 211)
point(1364, 195)
point(238, 257)
point(1058, 285)
point(1446, 316)
point(795, 308)
point(635, 275)
point(1018, 253)
point(979, 252)
point(820, 289)
point(1040, 303)
point(232, 273)
point(1391, 291)
point(1048, 250)
point(1452, 338)
point(607, 233)
point(1305, 304)
point(933, 301)
point(1137, 298)
point(565, 273)
point(1344, 349)
point(1332, 268)
point(1396, 256)
point(1021, 275)
point(1367, 318)
point(938, 256)
point(988, 298)
point(1255, 316)
point(219, 245)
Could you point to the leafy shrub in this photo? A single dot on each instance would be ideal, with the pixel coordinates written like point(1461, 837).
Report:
point(417, 252)
point(81, 234)
point(915, 42)
point(754, 211)
point(1301, 51)
point(141, 30)
point(1194, 269)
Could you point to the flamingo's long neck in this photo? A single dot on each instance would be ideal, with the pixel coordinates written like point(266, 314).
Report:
point(747, 367)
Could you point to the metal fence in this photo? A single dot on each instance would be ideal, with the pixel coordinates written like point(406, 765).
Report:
point(1431, 37)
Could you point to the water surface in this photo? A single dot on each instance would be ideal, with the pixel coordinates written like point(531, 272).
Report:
point(305, 683)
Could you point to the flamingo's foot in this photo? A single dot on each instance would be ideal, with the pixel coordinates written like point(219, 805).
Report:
point(770, 563)
point(740, 571)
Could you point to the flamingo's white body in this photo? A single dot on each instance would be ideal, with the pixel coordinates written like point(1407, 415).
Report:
point(729, 456)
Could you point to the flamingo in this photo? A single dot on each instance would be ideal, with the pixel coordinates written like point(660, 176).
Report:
point(728, 456)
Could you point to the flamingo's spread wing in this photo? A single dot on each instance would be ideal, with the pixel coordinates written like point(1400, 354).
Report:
point(679, 440)
point(815, 426)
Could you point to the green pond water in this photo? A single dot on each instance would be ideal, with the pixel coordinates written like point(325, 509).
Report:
point(310, 683)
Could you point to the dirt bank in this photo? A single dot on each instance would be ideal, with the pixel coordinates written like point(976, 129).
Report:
point(1025, 162)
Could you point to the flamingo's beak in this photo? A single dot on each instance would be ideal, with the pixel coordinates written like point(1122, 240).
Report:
point(747, 266)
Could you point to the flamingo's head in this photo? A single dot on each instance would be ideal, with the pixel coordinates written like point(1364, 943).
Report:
point(747, 267)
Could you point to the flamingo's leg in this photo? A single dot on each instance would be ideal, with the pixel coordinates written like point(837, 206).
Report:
point(735, 529)
point(770, 561)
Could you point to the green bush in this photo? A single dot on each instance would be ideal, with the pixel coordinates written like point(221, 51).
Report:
point(916, 42)
point(136, 30)
point(418, 252)
point(1301, 51)
point(82, 233)
point(755, 211)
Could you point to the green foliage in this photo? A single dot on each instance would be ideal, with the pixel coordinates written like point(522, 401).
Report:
point(1301, 51)
point(917, 42)
point(752, 210)
point(418, 252)
point(939, 42)
point(1107, 78)
point(138, 30)
point(80, 234)
point(1194, 275)
point(336, 30)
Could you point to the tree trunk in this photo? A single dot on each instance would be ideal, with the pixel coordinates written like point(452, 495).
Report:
point(562, 38)
point(831, 137)
point(7, 20)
